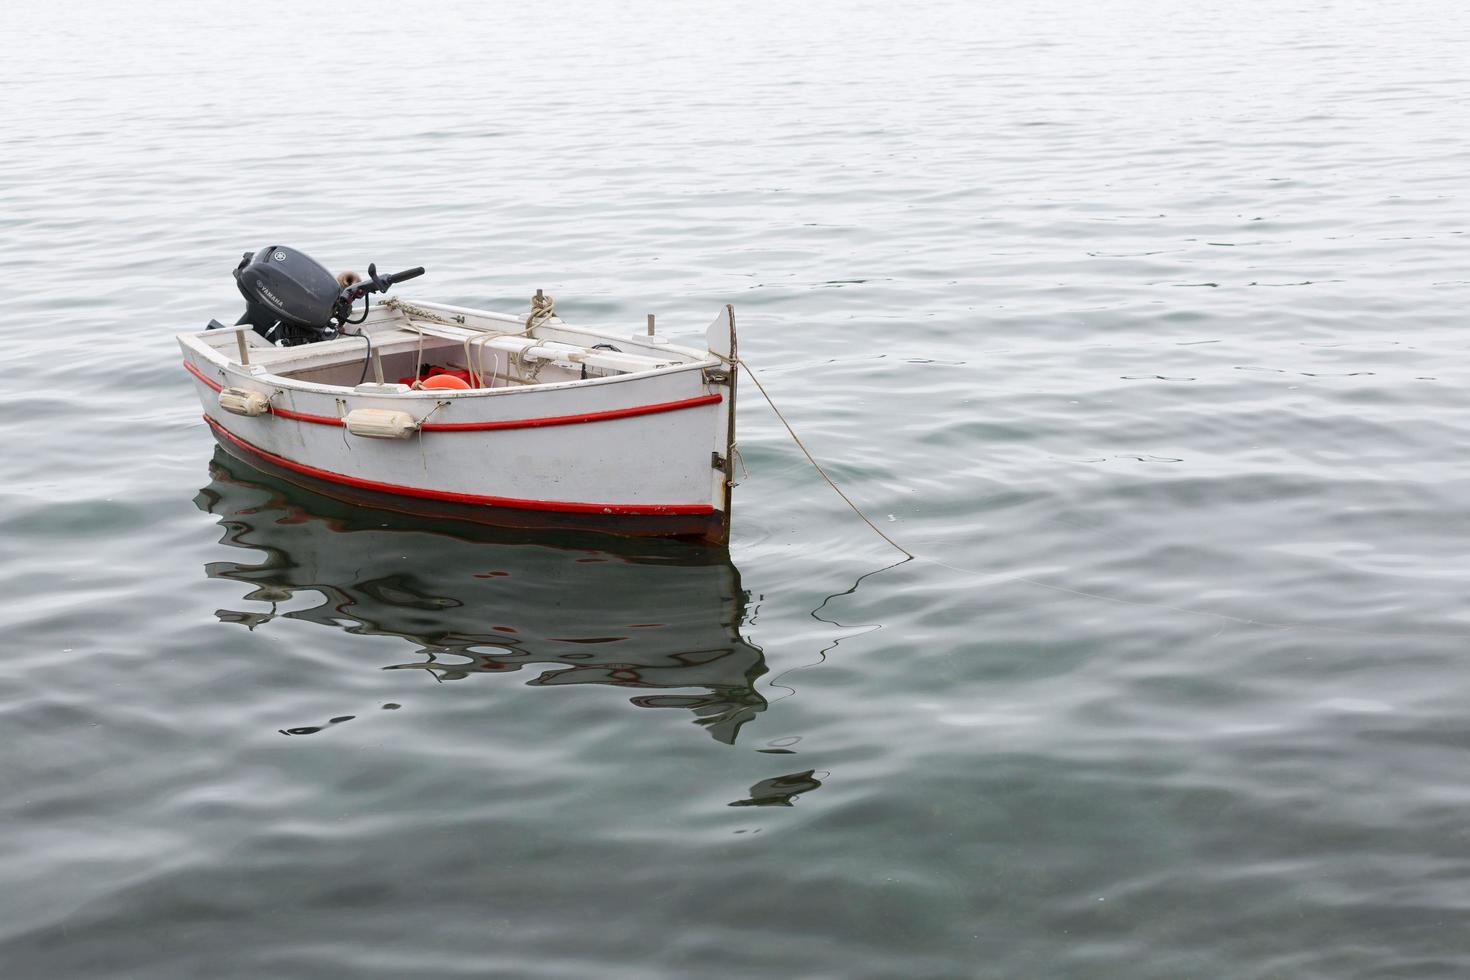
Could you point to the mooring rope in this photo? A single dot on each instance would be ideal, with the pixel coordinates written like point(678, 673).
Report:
point(818, 466)
point(972, 571)
point(1003, 577)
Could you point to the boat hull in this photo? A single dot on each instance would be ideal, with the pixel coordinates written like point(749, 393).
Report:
point(710, 527)
point(640, 453)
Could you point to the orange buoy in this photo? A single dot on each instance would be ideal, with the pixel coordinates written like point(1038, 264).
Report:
point(448, 381)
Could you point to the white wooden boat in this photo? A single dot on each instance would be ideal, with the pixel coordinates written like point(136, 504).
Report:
point(562, 425)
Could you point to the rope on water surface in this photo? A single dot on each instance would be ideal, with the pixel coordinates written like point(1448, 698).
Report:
point(1223, 618)
point(818, 466)
point(971, 571)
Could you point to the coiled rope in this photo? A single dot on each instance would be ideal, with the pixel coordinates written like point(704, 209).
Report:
point(543, 308)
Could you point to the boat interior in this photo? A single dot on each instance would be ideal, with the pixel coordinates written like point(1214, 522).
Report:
point(398, 343)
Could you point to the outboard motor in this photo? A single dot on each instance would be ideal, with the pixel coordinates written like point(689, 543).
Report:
point(290, 298)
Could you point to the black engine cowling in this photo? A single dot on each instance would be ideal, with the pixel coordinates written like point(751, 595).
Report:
point(290, 298)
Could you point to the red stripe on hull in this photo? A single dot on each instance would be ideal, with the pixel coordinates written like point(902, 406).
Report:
point(202, 376)
point(615, 413)
point(561, 507)
point(286, 413)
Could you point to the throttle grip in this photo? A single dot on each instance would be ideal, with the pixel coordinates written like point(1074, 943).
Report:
point(406, 274)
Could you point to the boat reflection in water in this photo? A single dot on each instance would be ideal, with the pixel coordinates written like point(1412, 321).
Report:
point(651, 615)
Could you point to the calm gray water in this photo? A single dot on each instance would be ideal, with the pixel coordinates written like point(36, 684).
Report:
point(1142, 324)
